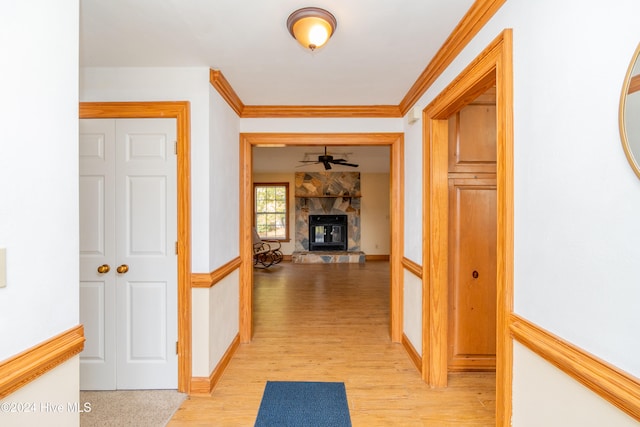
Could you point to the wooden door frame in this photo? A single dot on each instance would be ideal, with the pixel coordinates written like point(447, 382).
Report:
point(396, 211)
point(178, 110)
point(493, 65)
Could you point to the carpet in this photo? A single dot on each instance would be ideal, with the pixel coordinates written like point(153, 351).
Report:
point(302, 404)
point(123, 408)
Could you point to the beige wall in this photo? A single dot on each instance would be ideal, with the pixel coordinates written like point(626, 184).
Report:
point(374, 216)
point(51, 400)
point(215, 323)
point(546, 396)
point(375, 236)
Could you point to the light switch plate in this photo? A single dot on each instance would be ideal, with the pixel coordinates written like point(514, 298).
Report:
point(3, 267)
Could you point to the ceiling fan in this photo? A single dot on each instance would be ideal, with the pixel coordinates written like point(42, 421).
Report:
point(327, 160)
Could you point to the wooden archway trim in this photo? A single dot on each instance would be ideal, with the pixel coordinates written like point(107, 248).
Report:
point(395, 141)
point(181, 112)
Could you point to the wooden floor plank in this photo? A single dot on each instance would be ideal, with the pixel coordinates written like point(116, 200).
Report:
point(330, 322)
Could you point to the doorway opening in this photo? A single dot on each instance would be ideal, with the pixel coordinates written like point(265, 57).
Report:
point(493, 67)
point(395, 143)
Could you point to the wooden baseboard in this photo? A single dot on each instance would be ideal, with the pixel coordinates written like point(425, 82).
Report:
point(413, 354)
point(203, 386)
point(604, 379)
point(36, 361)
point(376, 257)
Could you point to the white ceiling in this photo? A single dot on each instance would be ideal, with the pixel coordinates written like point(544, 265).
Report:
point(379, 49)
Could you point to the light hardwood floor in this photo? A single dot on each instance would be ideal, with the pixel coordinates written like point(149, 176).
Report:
point(330, 322)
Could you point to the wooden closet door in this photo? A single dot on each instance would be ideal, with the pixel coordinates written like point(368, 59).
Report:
point(472, 274)
point(472, 137)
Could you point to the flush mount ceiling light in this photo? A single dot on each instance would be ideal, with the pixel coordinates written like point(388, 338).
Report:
point(312, 27)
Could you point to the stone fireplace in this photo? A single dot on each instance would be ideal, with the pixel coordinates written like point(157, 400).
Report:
point(333, 197)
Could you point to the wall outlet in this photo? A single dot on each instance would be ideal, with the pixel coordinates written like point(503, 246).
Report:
point(3, 267)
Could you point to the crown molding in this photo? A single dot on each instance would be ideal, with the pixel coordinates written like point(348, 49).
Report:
point(221, 84)
point(312, 111)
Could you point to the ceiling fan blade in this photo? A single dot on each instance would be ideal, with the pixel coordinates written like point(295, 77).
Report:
point(327, 165)
point(343, 162)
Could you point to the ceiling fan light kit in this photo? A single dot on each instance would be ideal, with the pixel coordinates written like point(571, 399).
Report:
point(312, 27)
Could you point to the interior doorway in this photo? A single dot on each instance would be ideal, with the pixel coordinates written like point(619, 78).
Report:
point(395, 143)
point(493, 67)
point(472, 236)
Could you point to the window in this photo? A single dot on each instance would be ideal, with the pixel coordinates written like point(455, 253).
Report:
point(271, 210)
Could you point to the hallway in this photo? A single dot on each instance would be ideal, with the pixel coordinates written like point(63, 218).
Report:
point(330, 322)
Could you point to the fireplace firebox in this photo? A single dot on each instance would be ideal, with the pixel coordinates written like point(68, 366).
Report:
point(328, 232)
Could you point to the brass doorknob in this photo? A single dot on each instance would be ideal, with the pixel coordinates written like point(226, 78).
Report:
point(104, 268)
point(122, 268)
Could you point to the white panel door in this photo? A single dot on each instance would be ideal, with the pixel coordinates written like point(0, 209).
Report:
point(146, 236)
point(141, 307)
point(97, 248)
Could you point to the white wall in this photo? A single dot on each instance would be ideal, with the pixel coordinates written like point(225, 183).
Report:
point(413, 190)
point(168, 84)
point(412, 285)
point(39, 187)
point(320, 125)
point(224, 182)
point(576, 198)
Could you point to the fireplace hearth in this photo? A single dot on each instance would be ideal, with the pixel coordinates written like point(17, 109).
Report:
point(328, 233)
